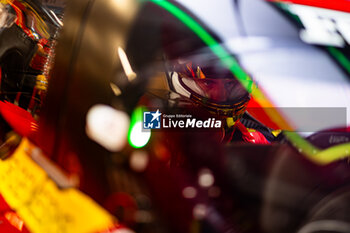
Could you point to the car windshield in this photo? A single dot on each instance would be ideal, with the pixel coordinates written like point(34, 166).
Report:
point(174, 116)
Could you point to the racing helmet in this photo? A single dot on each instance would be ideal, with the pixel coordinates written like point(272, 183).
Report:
point(207, 83)
point(28, 32)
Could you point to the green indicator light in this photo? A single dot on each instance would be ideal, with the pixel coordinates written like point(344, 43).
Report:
point(137, 136)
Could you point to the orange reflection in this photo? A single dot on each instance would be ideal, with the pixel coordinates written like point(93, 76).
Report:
point(14, 220)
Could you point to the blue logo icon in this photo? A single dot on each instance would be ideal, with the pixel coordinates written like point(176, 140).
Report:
point(151, 120)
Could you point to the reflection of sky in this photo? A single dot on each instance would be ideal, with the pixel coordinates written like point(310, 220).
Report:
point(259, 19)
point(292, 73)
point(299, 76)
point(218, 15)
